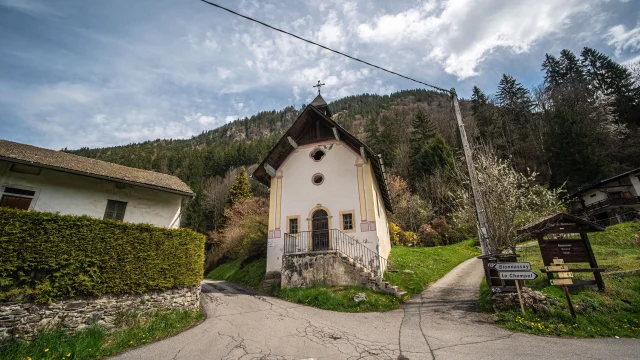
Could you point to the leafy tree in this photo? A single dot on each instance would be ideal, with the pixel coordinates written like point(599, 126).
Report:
point(240, 189)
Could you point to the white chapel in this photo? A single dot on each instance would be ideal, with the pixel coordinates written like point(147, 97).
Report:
point(328, 204)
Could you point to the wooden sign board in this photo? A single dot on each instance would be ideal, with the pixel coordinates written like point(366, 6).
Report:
point(569, 250)
point(565, 275)
point(561, 282)
point(518, 275)
point(512, 266)
point(558, 261)
point(556, 268)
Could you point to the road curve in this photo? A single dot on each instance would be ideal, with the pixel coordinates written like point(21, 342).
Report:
point(440, 323)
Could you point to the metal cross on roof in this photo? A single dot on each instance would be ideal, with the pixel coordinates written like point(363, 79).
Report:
point(318, 86)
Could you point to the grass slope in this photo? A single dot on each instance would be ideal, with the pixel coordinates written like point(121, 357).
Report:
point(613, 312)
point(249, 274)
point(96, 342)
point(426, 265)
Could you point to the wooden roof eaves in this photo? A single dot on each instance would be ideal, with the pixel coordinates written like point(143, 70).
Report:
point(261, 175)
point(549, 221)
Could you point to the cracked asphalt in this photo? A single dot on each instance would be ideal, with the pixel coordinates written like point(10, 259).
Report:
point(440, 323)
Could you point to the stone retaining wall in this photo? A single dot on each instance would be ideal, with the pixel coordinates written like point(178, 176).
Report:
point(24, 320)
point(326, 268)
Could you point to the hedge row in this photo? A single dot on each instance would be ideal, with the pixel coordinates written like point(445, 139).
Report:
point(46, 256)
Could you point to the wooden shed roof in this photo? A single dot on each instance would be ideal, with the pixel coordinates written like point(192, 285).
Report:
point(561, 223)
point(314, 126)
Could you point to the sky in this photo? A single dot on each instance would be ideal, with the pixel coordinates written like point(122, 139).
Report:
point(76, 73)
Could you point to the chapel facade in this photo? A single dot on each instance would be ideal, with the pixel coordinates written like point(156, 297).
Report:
point(329, 202)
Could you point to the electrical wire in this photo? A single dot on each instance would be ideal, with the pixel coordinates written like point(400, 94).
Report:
point(325, 47)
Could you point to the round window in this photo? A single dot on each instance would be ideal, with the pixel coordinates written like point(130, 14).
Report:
point(317, 154)
point(317, 179)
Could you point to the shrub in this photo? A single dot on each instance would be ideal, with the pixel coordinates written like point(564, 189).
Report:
point(428, 236)
point(46, 256)
point(245, 233)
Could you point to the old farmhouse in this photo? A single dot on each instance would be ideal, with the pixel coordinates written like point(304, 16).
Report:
point(33, 178)
point(610, 201)
point(328, 205)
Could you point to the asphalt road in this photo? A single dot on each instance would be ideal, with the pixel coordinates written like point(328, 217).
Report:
point(438, 324)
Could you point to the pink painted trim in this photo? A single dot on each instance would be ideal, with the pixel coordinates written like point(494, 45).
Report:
point(372, 226)
point(277, 233)
point(313, 178)
point(364, 226)
point(270, 234)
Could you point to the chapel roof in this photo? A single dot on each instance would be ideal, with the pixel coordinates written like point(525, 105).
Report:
point(319, 101)
point(65, 162)
point(313, 126)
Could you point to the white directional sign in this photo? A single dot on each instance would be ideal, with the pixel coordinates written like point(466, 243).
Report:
point(512, 266)
point(517, 275)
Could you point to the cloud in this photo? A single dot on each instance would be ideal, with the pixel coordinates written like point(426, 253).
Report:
point(173, 70)
point(461, 34)
point(624, 40)
point(30, 7)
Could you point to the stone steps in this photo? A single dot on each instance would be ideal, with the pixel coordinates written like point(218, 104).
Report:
point(370, 280)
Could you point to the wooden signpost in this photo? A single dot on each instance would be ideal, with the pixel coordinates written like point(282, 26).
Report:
point(563, 239)
point(565, 279)
point(518, 271)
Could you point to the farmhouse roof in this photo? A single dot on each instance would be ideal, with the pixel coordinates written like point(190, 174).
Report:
point(560, 221)
point(61, 161)
point(305, 131)
point(613, 178)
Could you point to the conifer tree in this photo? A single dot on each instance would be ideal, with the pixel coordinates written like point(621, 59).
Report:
point(423, 130)
point(371, 129)
point(240, 189)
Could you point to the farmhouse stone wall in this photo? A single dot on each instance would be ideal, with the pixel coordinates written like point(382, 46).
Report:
point(326, 268)
point(23, 320)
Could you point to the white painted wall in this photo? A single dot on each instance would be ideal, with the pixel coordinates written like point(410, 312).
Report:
point(597, 196)
point(68, 193)
point(338, 192)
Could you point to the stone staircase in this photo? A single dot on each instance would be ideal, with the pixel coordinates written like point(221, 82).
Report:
point(271, 279)
point(369, 280)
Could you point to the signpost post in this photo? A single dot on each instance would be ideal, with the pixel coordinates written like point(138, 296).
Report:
point(564, 280)
point(518, 271)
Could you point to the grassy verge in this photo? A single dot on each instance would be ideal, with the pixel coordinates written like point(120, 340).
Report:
point(95, 342)
point(417, 268)
point(613, 312)
point(340, 298)
point(249, 274)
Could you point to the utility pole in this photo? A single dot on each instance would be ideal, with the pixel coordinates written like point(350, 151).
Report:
point(483, 225)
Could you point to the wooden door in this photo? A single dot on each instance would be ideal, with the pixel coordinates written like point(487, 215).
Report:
point(320, 230)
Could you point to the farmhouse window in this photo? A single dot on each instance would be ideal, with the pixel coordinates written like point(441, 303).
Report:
point(17, 198)
point(347, 221)
point(115, 210)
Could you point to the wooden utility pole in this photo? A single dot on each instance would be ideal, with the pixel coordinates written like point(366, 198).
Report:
point(483, 224)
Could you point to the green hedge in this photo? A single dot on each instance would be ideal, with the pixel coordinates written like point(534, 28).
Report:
point(46, 256)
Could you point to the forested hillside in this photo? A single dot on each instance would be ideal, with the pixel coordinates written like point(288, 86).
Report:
point(579, 126)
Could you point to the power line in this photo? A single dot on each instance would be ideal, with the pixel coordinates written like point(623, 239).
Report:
point(324, 47)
